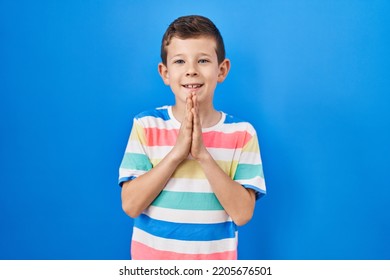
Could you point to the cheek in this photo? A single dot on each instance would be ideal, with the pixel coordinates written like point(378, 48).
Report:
point(173, 75)
point(214, 76)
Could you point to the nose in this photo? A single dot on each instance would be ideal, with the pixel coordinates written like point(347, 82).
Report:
point(191, 71)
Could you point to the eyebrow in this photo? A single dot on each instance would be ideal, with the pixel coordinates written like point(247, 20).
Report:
point(181, 55)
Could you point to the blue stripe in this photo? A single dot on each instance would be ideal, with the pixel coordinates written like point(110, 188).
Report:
point(259, 192)
point(157, 113)
point(232, 119)
point(125, 179)
point(185, 231)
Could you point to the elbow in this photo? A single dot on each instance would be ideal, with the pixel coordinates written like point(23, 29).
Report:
point(242, 219)
point(243, 214)
point(130, 210)
point(130, 205)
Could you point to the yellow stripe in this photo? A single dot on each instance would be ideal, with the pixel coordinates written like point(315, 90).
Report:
point(191, 169)
point(138, 133)
point(252, 145)
point(229, 167)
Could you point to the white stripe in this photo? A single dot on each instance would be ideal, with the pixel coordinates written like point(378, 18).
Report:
point(184, 247)
point(123, 173)
point(250, 158)
point(225, 154)
point(154, 152)
point(163, 107)
point(236, 127)
point(219, 154)
point(159, 152)
point(256, 182)
point(187, 216)
point(153, 122)
point(188, 185)
point(134, 146)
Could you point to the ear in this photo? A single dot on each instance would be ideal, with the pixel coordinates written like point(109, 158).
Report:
point(163, 71)
point(224, 68)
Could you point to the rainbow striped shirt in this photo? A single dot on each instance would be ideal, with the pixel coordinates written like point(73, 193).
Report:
point(186, 220)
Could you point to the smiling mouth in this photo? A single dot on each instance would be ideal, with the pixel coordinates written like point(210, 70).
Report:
point(192, 86)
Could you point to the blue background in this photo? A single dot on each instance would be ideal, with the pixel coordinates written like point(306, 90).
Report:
point(311, 76)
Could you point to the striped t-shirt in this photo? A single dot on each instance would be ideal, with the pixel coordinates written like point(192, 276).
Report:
point(186, 220)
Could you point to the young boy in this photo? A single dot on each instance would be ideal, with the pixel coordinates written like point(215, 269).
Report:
point(190, 174)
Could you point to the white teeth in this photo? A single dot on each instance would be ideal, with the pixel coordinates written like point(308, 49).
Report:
point(192, 86)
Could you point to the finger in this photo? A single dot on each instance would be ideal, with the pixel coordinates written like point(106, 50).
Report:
point(194, 100)
point(188, 119)
point(197, 141)
point(196, 109)
point(189, 106)
point(196, 120)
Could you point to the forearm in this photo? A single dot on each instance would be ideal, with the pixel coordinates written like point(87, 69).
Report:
point(237, 201)
point(140, 192)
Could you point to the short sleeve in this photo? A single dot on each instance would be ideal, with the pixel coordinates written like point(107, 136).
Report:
point(249, 172)
point(135, 161)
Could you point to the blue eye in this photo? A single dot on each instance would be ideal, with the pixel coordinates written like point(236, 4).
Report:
point(179, 61)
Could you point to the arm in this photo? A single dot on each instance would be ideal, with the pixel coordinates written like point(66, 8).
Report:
point(237, 201)
point(140, 192)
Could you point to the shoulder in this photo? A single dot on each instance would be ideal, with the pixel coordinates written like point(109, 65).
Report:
point(237, 124)
point(155, 118)
point(159, 113)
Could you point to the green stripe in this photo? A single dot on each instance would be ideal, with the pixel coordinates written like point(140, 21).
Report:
point(136, 162)
point(187, 201)
point(248, 171)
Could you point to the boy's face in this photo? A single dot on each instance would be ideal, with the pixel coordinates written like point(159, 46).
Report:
point(192, 66)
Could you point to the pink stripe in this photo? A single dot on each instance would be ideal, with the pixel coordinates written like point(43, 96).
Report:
point(212, 139)
point(140, 251)
point(161, 137)
point(235, 140)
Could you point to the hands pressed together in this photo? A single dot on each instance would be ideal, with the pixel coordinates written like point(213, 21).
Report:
point(189, 140)
point(138, 194)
